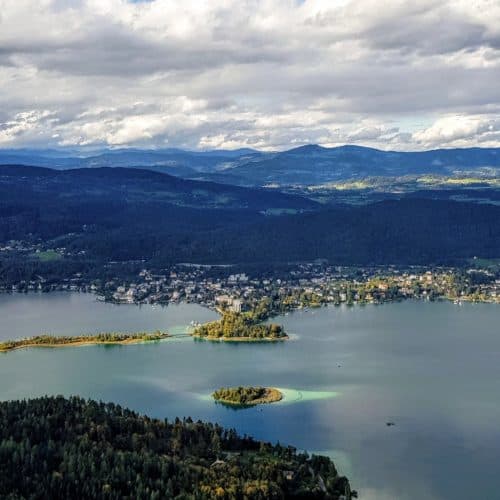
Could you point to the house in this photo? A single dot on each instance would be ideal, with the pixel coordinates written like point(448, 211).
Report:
point(225, 301)
point(236, 305)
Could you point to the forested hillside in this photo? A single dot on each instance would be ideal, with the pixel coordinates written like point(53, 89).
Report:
point(135, 185)
point(121, 214)
point(60, 448)
point(390, 232)
point(401, 231)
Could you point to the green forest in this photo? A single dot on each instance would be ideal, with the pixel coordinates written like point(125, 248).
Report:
point(234, 325)
point(59, 448)
point(123, 215)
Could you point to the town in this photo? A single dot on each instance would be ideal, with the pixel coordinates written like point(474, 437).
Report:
point(284, 288)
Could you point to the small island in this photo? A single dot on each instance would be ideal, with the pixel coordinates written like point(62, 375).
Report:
point(247, 396)
point(112, 338)
point(241, 327)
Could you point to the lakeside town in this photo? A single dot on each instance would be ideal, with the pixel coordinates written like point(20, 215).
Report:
point(291, 287)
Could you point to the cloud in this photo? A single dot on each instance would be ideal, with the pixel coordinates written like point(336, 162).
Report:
point(260, 73)
point(25, 124)
point(459, 131)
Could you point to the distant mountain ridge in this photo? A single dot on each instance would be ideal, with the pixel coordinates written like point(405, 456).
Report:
point(137, 185)
point(305, 165)
point(309, 165)
point(172, 161)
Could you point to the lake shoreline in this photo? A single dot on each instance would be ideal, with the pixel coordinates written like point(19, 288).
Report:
point(78, 342)
point(211, 307)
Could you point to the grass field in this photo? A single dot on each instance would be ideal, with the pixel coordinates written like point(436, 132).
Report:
point(47, 256)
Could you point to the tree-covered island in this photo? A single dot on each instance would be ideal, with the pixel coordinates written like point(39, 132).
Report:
point(247, 396)
point(55, 447)
point(111, 338)
point(243, 327)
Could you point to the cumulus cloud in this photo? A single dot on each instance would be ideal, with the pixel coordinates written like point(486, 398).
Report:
point(460, 130)
point(268, 74)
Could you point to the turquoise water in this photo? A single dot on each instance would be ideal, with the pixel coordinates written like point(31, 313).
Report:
point(431, 368)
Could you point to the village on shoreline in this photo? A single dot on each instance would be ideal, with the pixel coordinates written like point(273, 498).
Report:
point(298, 286)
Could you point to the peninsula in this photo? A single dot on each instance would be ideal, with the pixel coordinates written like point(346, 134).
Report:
point(176, 459)
point(241, 327)
point(112, 338)
point(247, 396)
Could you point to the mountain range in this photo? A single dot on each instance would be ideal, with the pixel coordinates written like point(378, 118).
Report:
point(305, 165)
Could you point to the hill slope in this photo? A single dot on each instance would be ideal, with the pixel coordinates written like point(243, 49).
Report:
point(72, 448)
point(141, 186)
point(122, 214)
point(124, 228)
point(408, 231)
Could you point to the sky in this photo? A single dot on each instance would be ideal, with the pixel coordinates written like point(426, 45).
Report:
point(265, 74)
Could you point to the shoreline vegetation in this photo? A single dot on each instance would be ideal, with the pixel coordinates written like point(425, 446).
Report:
point(242, 327)
point(247, 396)
point(112, 338)
point(62, 439)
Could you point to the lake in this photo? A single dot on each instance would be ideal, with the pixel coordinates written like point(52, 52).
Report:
point(431, 368)
point(64, 313)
